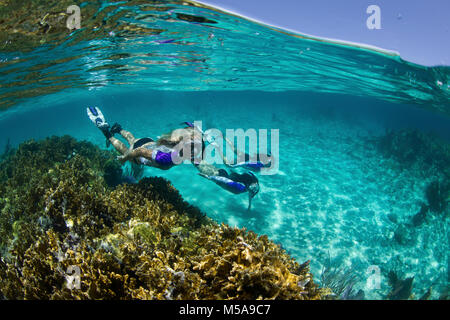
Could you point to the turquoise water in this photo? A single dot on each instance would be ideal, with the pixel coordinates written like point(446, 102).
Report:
point(335, 194)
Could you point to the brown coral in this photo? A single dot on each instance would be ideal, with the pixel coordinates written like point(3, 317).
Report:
point(133, 242)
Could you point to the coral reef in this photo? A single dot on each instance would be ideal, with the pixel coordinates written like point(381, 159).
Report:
point(113, 173)
point(128, 241)
point(7, 150)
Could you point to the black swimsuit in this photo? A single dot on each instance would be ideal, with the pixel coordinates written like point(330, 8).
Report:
point(141, 142)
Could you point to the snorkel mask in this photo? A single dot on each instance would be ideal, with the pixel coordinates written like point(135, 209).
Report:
point(253, 189)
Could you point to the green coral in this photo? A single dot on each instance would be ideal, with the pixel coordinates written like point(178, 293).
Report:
point(113, 173)
point(134, 241)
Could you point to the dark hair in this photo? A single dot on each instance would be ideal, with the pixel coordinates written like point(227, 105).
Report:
point(246, 178)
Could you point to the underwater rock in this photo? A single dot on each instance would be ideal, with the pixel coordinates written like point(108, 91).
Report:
point(192, 18)
point(401, 288)
point(134, 241)
point(426, 295)
point(348, 294)
point(445, 294)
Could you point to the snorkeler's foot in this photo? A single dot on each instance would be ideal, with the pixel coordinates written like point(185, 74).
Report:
point(105, 130)
point(116, 128)
point(96, 116)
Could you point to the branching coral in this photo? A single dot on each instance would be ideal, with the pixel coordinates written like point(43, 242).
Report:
point(134, 241)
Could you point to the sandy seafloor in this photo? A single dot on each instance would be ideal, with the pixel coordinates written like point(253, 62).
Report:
point(332, 195)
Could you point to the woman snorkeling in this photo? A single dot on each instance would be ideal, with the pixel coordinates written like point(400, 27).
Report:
point(234, 182)
point(144, 151)
point(169, 147)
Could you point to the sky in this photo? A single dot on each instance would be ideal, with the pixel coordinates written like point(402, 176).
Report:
point(418, 29)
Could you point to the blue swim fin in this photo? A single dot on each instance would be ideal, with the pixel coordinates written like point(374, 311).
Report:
point(97, 118)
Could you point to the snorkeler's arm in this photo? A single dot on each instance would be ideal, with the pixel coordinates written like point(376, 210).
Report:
point(220, 181)
point(203, 175)
point(210, 139)
point(249, 201)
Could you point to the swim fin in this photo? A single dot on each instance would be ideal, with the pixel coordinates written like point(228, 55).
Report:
point(97, 118)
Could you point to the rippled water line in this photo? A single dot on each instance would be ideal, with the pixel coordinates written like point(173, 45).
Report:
point(233, 53)
point(302, 35)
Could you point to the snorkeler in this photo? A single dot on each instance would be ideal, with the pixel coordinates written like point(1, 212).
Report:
point(160, 153)
point(144, 151)
point(248, 162)
point(234, 182)
point(251, 163)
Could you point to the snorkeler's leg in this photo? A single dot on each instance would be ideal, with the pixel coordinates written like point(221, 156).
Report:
point(118, 145)
point(223, 180)
point(240, 155)
point(244, 160)
point(117, 128)
point(131, 154)
point(128, 136)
